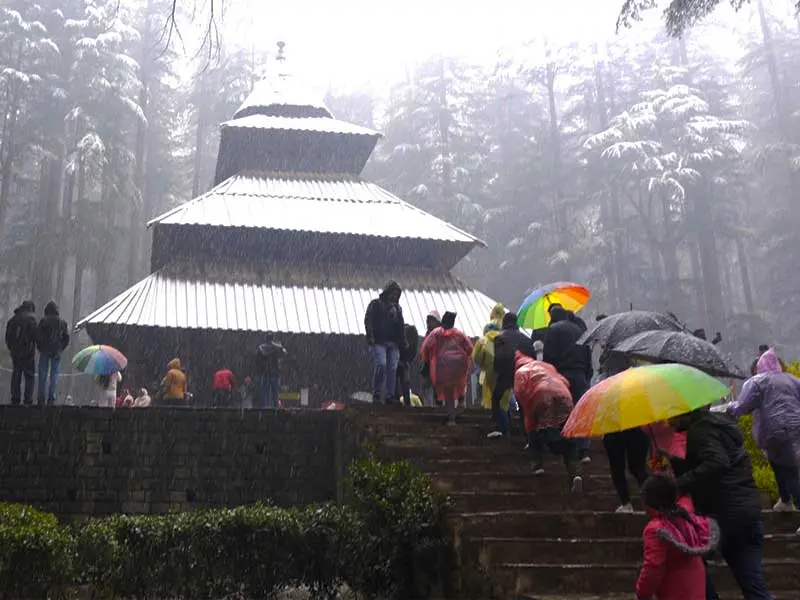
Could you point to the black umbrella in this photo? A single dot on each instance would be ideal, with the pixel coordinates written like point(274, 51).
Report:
point(678, 347)
point(617, 327)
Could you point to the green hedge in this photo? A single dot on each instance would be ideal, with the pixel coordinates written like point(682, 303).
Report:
point(762, 472)
point(385, 541)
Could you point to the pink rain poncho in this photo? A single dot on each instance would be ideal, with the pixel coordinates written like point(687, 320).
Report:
point(449, 354)
point(542, 392)
point(773, 397)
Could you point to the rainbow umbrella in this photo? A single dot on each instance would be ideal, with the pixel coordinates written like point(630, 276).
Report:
point(532, 313)
point(99, 360)
point(642, 396)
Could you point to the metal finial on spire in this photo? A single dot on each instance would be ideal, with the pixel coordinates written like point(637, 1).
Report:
point(281, 46)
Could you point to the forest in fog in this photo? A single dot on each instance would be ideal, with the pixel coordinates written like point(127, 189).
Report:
point(660, 172)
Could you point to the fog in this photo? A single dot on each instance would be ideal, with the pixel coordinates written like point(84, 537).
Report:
point(661, 173)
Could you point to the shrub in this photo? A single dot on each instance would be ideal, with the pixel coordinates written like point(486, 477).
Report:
point(386, 541)
point(401, 534)
point(35, 553)
point(762, 472)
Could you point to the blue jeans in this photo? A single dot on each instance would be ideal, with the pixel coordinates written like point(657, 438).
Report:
point(48, 365)
point(742, 547)
point(23, 369)
point(270, 391)
point(384, 376)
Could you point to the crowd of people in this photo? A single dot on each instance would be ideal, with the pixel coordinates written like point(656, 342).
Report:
point(702, 498)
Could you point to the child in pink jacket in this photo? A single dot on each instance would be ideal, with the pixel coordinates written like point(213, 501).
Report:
point(675, 541)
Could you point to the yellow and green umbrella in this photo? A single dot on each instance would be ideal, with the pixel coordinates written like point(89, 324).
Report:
point(533, 312)
point(641, 396)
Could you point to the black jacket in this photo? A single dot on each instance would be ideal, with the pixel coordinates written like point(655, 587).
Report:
point(561, 349)
point(718, 473)
point(506, 345)
point(52, 337)
point(408, 352)
point(383, 321)
point(269, 357)
point(21, 332)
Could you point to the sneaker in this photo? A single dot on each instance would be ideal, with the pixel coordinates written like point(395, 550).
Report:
point(783, 507)
point(625, 509)
point(538, 471)
point(577, 484)
point(494, 434)
point(527, 447)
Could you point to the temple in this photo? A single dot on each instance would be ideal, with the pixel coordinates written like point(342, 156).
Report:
point(290, 240)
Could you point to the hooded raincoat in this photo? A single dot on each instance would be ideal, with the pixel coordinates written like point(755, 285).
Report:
point(449, 353)
point(483, 357)
point(542, 393)
point(174, 381)
point(773, 397)
point(673, 556)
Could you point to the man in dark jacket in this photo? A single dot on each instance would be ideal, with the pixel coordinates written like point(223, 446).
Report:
point(384, 326)
point(506, 344)
point(52, 339)
point(572, 360)
point(269, 358)
point(719, 477)
point(407, 356)
point(21, 343)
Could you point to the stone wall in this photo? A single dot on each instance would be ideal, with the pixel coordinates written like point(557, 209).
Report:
point(77, 462)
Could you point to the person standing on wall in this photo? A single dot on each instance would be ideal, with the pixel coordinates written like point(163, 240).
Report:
point(224, 385)
point(269, 357)
point(408, 356)
point(174, 384)
point(52, 339)
point(21, 331)
point(384, 325)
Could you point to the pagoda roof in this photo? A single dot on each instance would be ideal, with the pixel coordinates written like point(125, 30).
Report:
point(295, 298)
point(339, 204)
point(282, 95)
point(311, 124)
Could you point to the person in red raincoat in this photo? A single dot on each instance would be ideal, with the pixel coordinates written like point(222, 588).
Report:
point(449, 353)
point(545, 398)
point(675, 542)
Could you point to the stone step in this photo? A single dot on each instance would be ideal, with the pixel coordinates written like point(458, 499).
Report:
point(559, 499)
point(777, 595)
point(543, 524)
point(520, 481)
point(520, 464)
point(488, 551)
point(511, 580)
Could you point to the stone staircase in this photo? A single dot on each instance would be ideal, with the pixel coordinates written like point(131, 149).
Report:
point(519, 537)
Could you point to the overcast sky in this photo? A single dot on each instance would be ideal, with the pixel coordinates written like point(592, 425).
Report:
point(366, 44)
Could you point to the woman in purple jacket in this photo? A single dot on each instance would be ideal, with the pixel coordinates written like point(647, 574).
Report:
point(773, 397)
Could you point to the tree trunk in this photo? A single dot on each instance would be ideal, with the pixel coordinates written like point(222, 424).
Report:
point(559, 210)
point(200, 139)
point(81, 249)
point(744, 273)
point(709, 263)
point(443, 123)
point(46, 226)
point(66, 224)
point(107, 236)
point(697, 278)
point(8, 150)
point(607, 212)
point(135, 228)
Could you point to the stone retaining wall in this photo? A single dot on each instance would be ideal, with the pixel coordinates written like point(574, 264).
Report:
point(78, 462)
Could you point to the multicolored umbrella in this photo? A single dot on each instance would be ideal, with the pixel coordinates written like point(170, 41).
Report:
point(641, 396)
point(99, 360)
point(533, 312)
